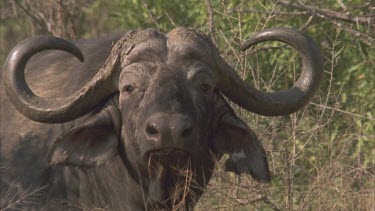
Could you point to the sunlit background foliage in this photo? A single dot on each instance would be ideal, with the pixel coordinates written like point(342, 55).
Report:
point(322, 157)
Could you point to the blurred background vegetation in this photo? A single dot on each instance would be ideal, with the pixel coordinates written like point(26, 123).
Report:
point(322, 157)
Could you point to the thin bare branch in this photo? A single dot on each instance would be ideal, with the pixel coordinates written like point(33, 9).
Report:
point(211, 22)
point(344, 16)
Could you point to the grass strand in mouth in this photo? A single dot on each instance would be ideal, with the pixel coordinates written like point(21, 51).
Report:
point(182, 188)
point(168, 157)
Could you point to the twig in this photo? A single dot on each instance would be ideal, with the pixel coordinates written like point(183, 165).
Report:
point(150, 14)
point(170, 19)
point(211, 22)
point(267, 201)
point(364, 20)
point(342, 111)
point(335, 18)
point(270, 13)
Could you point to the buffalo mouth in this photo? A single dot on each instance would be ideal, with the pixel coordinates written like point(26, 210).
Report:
point(169, 157)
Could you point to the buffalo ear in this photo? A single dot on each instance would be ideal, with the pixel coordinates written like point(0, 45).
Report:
point(233, 136)
point(91, 143)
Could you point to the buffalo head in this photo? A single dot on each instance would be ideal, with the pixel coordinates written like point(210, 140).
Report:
point(157, 102)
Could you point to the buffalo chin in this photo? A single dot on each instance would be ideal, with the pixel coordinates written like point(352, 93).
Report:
point(172, 169)
point(169, 157)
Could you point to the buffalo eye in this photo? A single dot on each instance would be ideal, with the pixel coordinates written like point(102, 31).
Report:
point(205, 87)
point(129, 88)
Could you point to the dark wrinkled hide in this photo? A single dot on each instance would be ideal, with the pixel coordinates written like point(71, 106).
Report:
point(105, 159)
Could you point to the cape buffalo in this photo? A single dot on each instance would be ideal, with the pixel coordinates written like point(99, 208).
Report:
point(146, 124)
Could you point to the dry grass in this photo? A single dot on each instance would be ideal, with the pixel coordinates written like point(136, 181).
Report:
point(12, 199)
point(181, 191)
point(183, 184)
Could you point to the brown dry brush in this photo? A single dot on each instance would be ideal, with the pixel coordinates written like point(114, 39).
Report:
point(310, 169)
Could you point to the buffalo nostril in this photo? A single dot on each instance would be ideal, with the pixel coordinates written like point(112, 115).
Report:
point(151, 130)
point(187, 132)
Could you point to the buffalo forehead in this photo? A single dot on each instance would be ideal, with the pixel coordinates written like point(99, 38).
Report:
point(145, 45)
point(190, 44)
point(178, 45)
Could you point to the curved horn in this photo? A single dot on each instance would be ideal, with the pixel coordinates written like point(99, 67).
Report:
point(53, 110)
point(283, 102)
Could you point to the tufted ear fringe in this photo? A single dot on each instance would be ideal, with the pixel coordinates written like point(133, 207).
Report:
point(233, 136)
point(92, 142)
